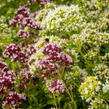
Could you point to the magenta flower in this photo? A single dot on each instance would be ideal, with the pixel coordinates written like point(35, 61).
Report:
point(23, 11)
point(57, 86)
point(15, 53)
point(51, 49)
point(23, 34)
point(66, 59)
point(14, 100)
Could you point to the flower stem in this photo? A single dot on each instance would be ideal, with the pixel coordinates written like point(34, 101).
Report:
point(70, 95)
point(55, 101)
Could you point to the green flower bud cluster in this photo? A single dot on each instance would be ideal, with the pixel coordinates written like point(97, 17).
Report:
point(90, 87)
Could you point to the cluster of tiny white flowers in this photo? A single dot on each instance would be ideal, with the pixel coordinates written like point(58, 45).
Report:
point(62, 19)
point(101, 71)
point(75, 74)
point(106, 87)
point(105, 57)
point(92, 37)
point(4, 29)
point(97, 103)
point(33, 61)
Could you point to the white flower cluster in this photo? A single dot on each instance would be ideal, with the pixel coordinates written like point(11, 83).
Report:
point(75, 76)
point(106, 87)
point(64, 19)
point(5, 31)
point(93, 44)
point(97, 103)
point(91, 37)
point(106, 57)
point(102, 71)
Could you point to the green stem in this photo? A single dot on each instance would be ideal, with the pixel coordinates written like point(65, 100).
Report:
point(70, 95)
point(84, 105)
point(83, 56)
point(55, 101)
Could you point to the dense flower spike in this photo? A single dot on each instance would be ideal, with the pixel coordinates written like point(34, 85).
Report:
point(6, 82)
point(15, 53)
point(45, 63)
point(24, 76)
point(10, 50)
point(57, 86)
point(51, 49)
point(3, 67)
point(16, 20)
point(14, 100)
point(66, 59)
point(23, 34)
point(24, 19)
point(31, 49)
point(19, 57)
point(23, 11)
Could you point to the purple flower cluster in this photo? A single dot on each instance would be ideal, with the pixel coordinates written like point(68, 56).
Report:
point(51, 49)
point(15, 53)
point(23, 11)
point(24, 19)
point(47, 63)
point(66, 59)
point(24, 74)
point(51, 65)
point(24, 77)
point(10, 74)
point(54, 59)
point(23, 34)
point(31, 49)
point(10, 50)
point(6, 82)
point(14, 100)
point(6, 79)
point(17, 20)
point(57, 87)
point(3, 67)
